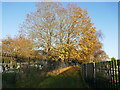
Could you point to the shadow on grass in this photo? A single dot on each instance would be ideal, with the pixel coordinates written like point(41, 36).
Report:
point(37, 79)
point(68, 79)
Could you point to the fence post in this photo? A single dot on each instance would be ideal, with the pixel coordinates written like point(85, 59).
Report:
point(94, 74)
point(115, 63)
point(119, 71)
point(86, 72)
point(113, 73)
point(109, 74)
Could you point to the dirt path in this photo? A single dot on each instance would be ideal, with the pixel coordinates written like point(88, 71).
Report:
point(75, 71)
point(59, 71)
point(70, 70)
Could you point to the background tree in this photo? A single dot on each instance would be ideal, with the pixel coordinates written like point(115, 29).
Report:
point(18, 47)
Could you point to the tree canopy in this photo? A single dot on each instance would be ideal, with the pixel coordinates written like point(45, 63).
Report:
point(61, 33)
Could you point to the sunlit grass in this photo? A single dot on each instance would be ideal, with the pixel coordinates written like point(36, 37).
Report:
point(68, 79)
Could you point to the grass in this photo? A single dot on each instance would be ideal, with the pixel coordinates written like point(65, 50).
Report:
point(67, 79)
point(8, 80)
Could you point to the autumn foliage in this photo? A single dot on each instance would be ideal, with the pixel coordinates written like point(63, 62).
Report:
point(60, 33)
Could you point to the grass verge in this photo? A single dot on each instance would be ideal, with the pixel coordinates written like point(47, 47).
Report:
point(70, 78)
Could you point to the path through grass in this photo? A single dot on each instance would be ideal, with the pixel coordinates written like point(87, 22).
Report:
point(70, 78)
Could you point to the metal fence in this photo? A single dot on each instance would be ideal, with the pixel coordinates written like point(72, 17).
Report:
point(102, 74)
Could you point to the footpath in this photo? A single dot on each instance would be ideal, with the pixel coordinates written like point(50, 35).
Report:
point(69, 77)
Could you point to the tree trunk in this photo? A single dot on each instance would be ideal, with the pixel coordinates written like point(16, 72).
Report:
point(28, 62)
point(20, 66)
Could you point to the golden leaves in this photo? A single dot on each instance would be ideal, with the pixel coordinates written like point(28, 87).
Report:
point(85, 11)
point(91, 24)
point(92, 31)
point(84, 20)
point(67, 32)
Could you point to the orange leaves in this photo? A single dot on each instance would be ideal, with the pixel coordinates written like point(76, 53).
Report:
point(77, 27)
point(88, 21)
point(62, 10)
point(84, 20)
point(19, 46)
point(85, 11)
point(88, 42)
point(68, 29)
point(83, 31)
point(91, 24)
point(92, 31)
point(93, 28)
point(81, 9)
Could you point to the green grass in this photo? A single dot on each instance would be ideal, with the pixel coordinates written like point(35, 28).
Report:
point(9, 80)
point(67, 79)
point(59, 82)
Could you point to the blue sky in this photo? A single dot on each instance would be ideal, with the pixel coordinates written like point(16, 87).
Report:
point(103, 14)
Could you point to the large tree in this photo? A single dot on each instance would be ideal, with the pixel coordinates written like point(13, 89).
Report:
point(41, 26)
point(65, 33)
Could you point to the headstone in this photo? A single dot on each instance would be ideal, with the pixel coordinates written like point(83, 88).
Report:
point(1, 70)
